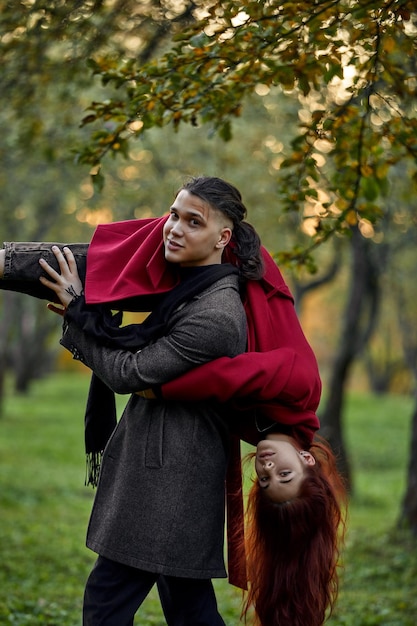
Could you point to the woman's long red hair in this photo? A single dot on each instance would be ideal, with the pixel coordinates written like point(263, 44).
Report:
point(292, 548)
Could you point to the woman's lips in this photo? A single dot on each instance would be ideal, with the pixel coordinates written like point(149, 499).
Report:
point(265, 454)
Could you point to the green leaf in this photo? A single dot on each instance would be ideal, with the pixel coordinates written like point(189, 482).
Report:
point(98, 181)
point(199, 41)
point(225, 131)
point(370, 188)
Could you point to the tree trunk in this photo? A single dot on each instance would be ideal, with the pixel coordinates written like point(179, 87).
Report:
point(31, 357)
point(408, 513)
point(358, 323)
point(7, 315)
point(25, 330)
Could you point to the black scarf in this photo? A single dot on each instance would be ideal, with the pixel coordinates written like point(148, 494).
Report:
point(98, 321)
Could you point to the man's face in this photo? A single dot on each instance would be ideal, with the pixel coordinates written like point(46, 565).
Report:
point(195, 233)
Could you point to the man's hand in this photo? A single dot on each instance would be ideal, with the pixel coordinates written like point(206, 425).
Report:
point(67, 285)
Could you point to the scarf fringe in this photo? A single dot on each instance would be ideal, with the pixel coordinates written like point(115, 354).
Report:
point(92, 470)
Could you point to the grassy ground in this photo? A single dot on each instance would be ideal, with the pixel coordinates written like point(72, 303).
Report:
point(44, 509)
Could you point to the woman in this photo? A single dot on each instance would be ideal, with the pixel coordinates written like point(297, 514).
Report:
point(279, 382)
point(295, 514)
point(295, 525)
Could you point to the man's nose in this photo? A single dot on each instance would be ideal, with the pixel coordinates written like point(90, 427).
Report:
point(177, 228)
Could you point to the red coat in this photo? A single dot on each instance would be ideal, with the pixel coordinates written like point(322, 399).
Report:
point(278, 375)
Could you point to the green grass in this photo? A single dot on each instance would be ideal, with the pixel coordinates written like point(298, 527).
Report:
point(380, 563)
point(44, 510)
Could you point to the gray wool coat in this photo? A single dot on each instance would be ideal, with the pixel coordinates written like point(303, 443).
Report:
point(160, 502)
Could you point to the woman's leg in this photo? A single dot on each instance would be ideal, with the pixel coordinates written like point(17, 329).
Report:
point(114, 592)
point(20, 269)
point(189, 602)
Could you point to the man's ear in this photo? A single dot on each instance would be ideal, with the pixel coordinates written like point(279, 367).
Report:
point(224, 238)
point(308, 458)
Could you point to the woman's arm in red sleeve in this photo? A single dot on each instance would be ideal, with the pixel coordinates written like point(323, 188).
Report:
point(279, 375)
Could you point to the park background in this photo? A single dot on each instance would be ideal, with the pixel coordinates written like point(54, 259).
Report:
point(311, 113)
